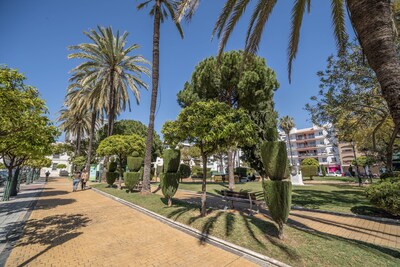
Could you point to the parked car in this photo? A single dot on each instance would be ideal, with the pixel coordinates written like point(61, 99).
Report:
point(63, 173)
point(334, 174)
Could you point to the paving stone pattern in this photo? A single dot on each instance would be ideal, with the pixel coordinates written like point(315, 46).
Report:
point(86, 229)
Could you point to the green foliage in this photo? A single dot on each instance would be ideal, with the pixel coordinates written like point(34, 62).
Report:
point(309, 171)
point(112, 166)
point(198, 172)
point(275, 159)
point(310, 162)
point(278, 196)
point(2, 166)
point(129, 127)
point(79, 162)
point(386, 195)
point(172, 158)
point(242, 172)
point(169, 183)
point(323, 170)
point(134, 163)
point(111, 177)
point(61, 166)
point(159, 169)
point(184, 170)
point(39, 162)
point(121, 145)
point(363, 161)
point(132, 179)
point(385, 175)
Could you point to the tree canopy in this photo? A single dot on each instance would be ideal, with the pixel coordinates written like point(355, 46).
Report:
point(121, 145)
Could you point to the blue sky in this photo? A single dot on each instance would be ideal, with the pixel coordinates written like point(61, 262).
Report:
point(36, 34)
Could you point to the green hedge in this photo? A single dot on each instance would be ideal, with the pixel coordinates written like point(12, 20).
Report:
point(134, 163)
point(112, 166)
point(386, 195)
point(309, 171)
point(275, 159)
point(132, 179)
point(198, 171)
point(111, 177)
point(172, 159)
point(184, 170)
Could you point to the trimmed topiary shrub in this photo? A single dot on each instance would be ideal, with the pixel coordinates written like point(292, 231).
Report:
point(111, 177)
point(132, 179)
point(134, 163)
point(112, 165)
point(309, 171)
point(275, 160)
point(385, 195)
point(277, 193)
point(278, 196)
point(323, 170)
point(241, 172)
point(184, 170)
point(172, 158)
point(169, 185)
point(169, 178)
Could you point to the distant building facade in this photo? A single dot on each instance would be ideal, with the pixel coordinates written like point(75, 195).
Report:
point(316, 142)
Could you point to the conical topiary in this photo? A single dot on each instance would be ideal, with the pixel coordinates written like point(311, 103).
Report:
point(170, 176)
point(112, 165)
point(134, 173)
point(277, 192)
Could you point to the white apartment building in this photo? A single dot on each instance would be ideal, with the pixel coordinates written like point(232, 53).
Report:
point(315, 142)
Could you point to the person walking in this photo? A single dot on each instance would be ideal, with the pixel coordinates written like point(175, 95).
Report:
point(85, 178)
point(75, 182)
point(47, 175)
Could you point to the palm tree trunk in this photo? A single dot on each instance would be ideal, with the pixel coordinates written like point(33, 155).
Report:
point(111, 105)
point(389, 150)
point(154, 91)
point(91, 136)
point(231, 174)
point(372, 21)
point(78, 141)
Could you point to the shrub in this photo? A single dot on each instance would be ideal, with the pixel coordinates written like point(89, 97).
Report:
point(310, 161)
point(309, 171)
point(159, 169)
point(134, 163)
point(112, 165)
point(386, 195)
point(169, 184)
point(172, 160)
point(275, 160)
point(385, 175)
point(198, 171)
point(132, 179)
point(241, 172)
point(61, 166)
point(396, 173)
point(184, 170)
point(323, 170)
point(111, 177)
point(278, 196)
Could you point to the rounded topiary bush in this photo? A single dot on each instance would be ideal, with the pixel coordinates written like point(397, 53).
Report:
point(309, 171)
point(169, 185)
point(385, 195)
point(134, 163)
point(172, 158)
point(111, 177)
point(184, 170)
point(132, 179)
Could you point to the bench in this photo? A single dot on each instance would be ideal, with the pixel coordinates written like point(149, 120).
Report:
point(242, 196)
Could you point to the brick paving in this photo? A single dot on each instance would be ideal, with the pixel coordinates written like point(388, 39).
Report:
point(380, 233)
point(13, 214)
point(86, 229)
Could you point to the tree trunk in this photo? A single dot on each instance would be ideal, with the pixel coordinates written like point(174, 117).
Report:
point(203, 212)
point(154, 91)
point(231, 174)
point(357, 167)
point(120, 173)
point(111, 106)
point(372, 21)
point(389, 150)
point(280, 231)
point(14, 183)
point(78, 141)
point(169, 202)
point(91, 137)
point(222, 163)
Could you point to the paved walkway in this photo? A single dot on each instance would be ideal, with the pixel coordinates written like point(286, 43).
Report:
point(380, 233)
point(14, 213)
point(86, 229)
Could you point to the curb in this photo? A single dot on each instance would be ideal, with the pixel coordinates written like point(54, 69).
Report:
point(252, 256)
point(366, 217)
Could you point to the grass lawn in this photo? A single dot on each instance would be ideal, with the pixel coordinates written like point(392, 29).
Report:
point(333, 178)
point(330, 197)
point(300, 248)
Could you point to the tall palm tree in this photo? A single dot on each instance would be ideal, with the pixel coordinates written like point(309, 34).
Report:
point(90, 101)
point(286, 124)
point(160, 10)
point(75, 123)
point(372, 22)
point(108, 65)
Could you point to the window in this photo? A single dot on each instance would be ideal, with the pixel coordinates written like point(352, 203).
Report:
point(321, 142)
point(320, 133)
point(333, 160)
point(323, 159)
point(56, 156)
point(54, 166)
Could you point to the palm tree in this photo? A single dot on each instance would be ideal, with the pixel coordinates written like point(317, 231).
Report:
point(108, 66)
point(75, 122)
point(160, 11)
point(372, 22)
point(286, 124)
point(91, 102)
